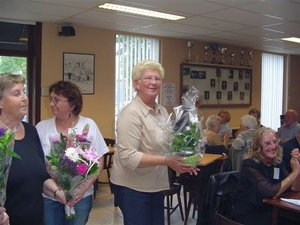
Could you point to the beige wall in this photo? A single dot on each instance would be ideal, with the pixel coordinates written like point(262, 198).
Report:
point(100, 106)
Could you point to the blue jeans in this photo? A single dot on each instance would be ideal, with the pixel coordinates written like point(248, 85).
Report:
point(55, 212)
point(140, 207)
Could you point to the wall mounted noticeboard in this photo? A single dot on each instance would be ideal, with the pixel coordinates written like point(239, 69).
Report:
point(219, 85)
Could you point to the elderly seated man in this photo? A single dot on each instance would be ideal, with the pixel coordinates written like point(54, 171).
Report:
point(288, 147)
point(290, 128)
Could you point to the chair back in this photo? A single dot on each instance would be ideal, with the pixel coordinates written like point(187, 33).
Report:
point(218, 197)
point(108, 157)
point(222, 220)
point(110, 142)
point(237, 157)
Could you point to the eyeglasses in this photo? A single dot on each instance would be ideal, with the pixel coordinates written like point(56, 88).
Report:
point(150, 79)
point(269, 143)
point(56, 100)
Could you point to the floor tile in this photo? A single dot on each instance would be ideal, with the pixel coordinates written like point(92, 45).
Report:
point(104, 212)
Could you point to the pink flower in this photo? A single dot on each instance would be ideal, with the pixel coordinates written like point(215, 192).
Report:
point(86, 130)
point(82, 168)
point(91, 154)
point(80, 138)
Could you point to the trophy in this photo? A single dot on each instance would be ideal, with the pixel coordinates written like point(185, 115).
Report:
point(205, 57)
point(222, 51)
point(232, 54)
point(250, 57)
point(189, 45)
point(242, 58)
point(214, 48)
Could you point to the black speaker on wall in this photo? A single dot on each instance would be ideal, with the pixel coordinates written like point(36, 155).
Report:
point(67, 31)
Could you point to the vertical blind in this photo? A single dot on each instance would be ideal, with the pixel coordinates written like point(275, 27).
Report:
point(271, 90)
point(129, 51)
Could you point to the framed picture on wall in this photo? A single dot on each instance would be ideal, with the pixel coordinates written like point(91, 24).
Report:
point(80, 69)
point(219, 85)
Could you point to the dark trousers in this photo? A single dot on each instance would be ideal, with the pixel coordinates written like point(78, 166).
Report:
point(140, 207)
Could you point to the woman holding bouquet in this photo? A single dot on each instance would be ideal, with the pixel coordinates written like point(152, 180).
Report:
point(140, 168)
point(66, 104)
point(27, 178)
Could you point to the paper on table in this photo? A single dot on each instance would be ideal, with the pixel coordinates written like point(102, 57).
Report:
point(293, 201)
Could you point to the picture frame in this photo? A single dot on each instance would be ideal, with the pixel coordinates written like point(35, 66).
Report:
point(79, 68)
point(218, 85)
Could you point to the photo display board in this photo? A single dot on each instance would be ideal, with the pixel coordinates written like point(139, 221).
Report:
point(219, 85)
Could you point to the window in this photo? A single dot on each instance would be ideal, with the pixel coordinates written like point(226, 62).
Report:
point(129, 51)
point(271, 90)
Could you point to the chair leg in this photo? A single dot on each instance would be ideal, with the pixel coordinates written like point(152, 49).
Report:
point(185, 200)
point(168, 210)
point(187, 212)
point(180, 206)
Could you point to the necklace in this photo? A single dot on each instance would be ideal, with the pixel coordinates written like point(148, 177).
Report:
point(267, 164)
point(15, 130)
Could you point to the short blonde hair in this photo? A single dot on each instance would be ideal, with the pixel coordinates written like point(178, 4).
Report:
point(212, 120)
point(139, 68)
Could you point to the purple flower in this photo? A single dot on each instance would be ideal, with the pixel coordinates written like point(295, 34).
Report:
point(2, 132)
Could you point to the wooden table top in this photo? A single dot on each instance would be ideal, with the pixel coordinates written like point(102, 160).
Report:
point(111, 149)
point(283, 204)
point(209, 158)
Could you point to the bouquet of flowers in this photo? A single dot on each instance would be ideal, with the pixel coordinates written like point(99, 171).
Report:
point(72, 162)
point(6, 154)
point(184, 130)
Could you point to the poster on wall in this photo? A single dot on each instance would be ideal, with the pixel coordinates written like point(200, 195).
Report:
point(168, 94)
point(79, 69)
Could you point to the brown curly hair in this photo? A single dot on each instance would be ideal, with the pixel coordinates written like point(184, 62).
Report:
point(256, 147)
point(70, 91)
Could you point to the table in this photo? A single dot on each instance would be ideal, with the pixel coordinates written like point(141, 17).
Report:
point(209, 158)
point(284, 208)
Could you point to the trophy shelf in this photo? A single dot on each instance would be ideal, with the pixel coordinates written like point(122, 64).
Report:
point(220, 85)
point(218, 65)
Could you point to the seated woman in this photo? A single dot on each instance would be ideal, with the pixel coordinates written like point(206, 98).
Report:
point(263, 175)
point(211, 132)
point(224, 127)
point(244, 139)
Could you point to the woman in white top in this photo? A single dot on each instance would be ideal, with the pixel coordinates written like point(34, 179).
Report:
point(66, 105)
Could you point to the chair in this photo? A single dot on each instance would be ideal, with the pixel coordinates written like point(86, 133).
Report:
point(218, 198)
point(222, 220)
point(108, 161)
point(197, 185)
point(175, 189)
point(236, 157)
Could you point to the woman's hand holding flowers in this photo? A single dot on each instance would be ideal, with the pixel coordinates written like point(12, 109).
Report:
point(176, 163)
point(4, 218)
point(60, 196)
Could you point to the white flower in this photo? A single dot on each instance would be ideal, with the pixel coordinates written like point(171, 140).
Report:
point(72, 154)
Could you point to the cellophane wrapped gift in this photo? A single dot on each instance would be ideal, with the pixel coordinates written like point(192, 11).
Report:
point(184, 129)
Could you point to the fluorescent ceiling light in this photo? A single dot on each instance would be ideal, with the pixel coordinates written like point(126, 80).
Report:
point(292, 39)
point(137, 11)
